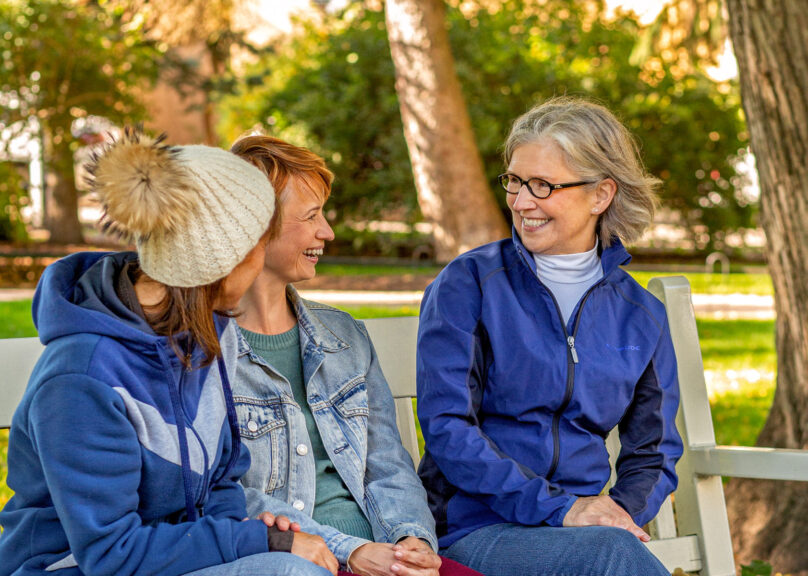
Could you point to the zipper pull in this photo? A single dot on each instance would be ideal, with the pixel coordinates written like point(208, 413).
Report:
point(571, 344)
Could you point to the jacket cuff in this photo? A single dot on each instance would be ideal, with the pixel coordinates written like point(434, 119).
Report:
point(402, 531)
point(252, 539)
point(343, 545)
point(279, 541)
point(556, 519)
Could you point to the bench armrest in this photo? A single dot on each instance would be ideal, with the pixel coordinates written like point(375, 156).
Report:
point(747, 462)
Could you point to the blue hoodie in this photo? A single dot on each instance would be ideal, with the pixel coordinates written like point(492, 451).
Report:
point(515, 404)
point(105, 481)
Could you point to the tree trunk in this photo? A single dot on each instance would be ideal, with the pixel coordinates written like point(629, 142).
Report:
point(770, 519)
point(452, 190)
point(61, 197)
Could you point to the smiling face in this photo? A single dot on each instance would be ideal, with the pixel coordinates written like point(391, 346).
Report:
point(565, 222)
point(291, 256)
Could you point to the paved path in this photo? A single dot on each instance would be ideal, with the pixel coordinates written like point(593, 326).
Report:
point(713, 305)
point(12, 294)
point(734, 306)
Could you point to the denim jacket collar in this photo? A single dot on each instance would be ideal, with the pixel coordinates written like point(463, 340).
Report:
point(310, 325)
point(318, 333)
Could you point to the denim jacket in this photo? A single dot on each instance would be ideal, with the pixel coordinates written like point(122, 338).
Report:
point(354, 411)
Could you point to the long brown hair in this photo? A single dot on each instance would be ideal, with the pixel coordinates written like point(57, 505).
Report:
point(279, 161)
point(187, 311)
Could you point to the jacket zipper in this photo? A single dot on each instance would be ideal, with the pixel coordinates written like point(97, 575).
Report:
point(572, 360)
point(201, 492)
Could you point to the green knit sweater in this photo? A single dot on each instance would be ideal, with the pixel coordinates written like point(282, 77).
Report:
point(333, 503)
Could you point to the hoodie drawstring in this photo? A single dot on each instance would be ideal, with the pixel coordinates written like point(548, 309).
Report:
point(179, 417)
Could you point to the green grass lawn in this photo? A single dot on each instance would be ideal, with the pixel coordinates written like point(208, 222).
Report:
point(16, 319)
point(701, 283)
point(374, 270)
point(739, 361)
point(740, 365)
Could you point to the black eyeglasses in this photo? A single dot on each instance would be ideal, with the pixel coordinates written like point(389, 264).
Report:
point(538, 187)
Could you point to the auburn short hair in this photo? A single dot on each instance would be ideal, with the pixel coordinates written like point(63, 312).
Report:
point(280, 161)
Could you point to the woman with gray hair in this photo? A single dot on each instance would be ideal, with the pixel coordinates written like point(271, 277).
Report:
point(532, 349)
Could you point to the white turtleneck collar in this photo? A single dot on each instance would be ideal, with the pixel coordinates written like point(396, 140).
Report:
point(569, 276)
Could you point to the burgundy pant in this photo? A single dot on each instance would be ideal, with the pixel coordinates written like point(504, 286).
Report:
point(447, 568)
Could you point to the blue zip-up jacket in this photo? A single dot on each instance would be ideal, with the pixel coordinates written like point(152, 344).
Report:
point(515, 406)
point(96, 460)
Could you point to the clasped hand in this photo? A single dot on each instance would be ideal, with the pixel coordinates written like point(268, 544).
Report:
point(602, 511)
point(410, 557)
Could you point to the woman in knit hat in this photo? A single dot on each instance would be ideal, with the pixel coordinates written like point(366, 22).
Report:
point(124, 454)
point(314, 408)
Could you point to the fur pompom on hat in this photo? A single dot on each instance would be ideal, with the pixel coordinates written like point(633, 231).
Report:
point(194, 212)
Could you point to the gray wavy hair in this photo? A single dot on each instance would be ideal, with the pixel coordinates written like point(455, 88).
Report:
point(597, 146)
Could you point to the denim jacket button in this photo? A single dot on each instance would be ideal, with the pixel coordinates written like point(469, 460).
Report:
point(298, 505)
point(302, 449)
point(252, 426)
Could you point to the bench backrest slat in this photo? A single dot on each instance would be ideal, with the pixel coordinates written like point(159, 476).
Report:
point(394, 340)
point(17, 359)
point(700, 506)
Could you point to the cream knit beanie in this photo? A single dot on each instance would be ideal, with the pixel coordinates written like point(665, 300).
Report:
point(194, 212)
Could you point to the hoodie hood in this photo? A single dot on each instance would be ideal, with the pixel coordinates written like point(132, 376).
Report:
point(76, 295)
point(124, 438)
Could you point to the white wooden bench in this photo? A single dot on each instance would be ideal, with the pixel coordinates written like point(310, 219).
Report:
point(691, 531)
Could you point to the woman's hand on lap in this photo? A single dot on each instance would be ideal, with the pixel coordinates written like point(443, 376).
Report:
point(313, 549)
point(416, 554)
point(602, 511)
point(404, 559)
point(372, 559)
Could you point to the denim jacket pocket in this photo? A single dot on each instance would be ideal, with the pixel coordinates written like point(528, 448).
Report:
point(352, 399)
point(351, 405)
point(263, 431)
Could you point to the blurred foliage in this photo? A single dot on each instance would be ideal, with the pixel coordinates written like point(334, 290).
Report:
point(12, 198)
point(690, 128)
point(199, 38)
point(756, 568)
point(330, 86)
point(685, 33)
point(62, 60)
point(353, 240)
